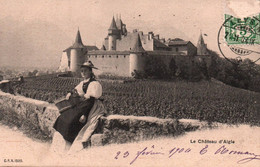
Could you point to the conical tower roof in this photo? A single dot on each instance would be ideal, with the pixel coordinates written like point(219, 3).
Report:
point(201, 40)
point(137, 44)
point(113, 24)
point(201, 46)
point(78, 42)
point(119, 23)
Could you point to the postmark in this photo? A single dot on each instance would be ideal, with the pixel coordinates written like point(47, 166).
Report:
point(239, 38)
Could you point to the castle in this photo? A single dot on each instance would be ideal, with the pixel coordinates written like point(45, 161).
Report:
point(123, 52)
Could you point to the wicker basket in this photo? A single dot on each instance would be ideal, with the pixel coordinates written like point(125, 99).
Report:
point(64, 104)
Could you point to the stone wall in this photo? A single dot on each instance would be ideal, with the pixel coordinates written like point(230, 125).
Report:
point(111, 129)
point(121, 129)
point(41, 114)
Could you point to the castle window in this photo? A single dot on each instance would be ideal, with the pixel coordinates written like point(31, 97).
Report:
point(116, 56)
point(109, 55)
point(177, 49)
point(102, 56)
point(124, 56)
point(96, 56)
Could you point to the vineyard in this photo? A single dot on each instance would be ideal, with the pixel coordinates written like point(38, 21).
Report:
point(204, 100)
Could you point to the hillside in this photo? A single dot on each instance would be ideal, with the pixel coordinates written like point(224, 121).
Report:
point(204, 100)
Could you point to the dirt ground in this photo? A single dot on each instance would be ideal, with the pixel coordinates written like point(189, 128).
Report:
point(190, 149)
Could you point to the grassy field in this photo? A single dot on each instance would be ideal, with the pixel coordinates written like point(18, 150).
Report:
point(204, 100)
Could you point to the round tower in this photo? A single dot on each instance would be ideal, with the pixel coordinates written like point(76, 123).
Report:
point(113, 34)
point(112, 42)
point(76, 60)
point(77, 52)
point(137, 56)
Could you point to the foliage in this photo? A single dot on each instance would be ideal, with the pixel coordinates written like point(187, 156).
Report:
point(155, 68)
point(243, 73)
point(139, 74)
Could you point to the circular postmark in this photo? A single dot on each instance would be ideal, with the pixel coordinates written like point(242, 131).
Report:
point(239, 38)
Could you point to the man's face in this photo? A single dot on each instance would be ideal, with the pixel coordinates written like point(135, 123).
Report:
point(86, 72)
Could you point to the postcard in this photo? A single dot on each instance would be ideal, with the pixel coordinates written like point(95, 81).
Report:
point(130, 83)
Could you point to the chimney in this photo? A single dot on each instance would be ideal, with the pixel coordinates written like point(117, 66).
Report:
point(150, 35)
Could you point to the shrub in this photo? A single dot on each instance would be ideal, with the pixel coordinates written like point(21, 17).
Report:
point(156, 68)
point(139, 74)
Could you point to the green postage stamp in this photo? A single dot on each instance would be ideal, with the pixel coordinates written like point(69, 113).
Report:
point(242, 31)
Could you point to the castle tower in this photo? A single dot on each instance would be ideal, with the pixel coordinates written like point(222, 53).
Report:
point(113, 35)
point(119, 24)
point(76, 54)
point(137, 55)
point(201, 46)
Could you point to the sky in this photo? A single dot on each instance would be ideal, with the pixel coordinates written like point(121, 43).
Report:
point(34, 33)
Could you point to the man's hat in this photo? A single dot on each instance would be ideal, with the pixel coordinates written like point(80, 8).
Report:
point(88, 64)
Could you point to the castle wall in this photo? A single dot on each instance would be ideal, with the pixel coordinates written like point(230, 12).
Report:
point(115, 64)
point(64, 62)
point(180, 48)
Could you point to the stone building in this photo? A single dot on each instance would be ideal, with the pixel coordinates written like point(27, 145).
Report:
point(123, 52)
point(183, 47)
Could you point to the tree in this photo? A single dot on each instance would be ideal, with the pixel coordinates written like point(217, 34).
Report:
point(172, 67)
point(156, 68)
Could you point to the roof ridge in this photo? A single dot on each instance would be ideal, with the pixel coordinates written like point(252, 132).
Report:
point(137, 45)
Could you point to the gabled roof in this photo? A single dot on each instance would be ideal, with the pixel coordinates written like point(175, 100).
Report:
point(171, 43)
point(137, 44)
point(159, 44)
point(113, 25)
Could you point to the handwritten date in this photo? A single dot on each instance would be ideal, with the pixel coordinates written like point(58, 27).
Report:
point(152, 151)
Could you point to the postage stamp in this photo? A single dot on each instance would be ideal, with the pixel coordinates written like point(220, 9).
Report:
point(242, 31)
point(239, 38)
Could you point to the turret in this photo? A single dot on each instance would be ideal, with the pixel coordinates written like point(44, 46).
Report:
point(76, 54)
point(137, 55)
point(113, 35)
point(201, 46)
point(119, 23)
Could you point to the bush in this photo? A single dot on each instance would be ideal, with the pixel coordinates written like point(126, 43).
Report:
point(155, 68)
point(139, 74)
